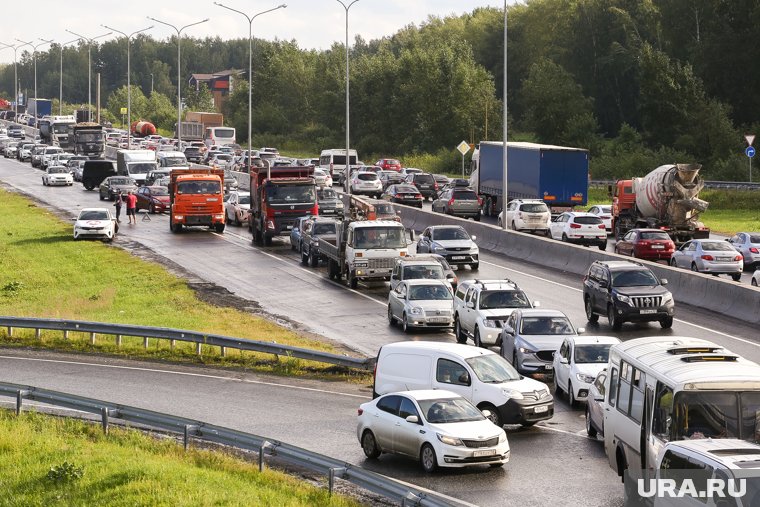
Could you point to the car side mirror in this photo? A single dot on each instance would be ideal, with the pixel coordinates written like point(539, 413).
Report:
point(464, 379)
point(470, 304)
point(450, 276)
point(474, 237)
point(581, 330)
point(413, 419)
point(411, 234)
point(664, 281)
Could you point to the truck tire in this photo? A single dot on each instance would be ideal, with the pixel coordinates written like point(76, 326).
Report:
point(352, 281)
point(257, 240)
point(219, 228)
point(313, 259)
point(267, 240)
point(175, 227)
point(331, 269)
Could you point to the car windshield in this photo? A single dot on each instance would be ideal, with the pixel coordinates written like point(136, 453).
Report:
point(379, 237)
point(492, 369)
point(754, 238)
point(89, 137)
point(534, 207)
point(429, 293)
point(326, 193)
point(717, 246)
point(159, 191)
point(594, 353)
point(244, 199)
point(141, 168)
point(326, 228)
point(94, 215)
point(634, 278)
point(384, 209)
point(341, 159)
point(545, 325)
point(464, 195)
point(494, 299)
point(655, 235)
point(586, 220)
point(174, 161)
point(199, 187)
point(58, 170)
point(121, 181)
point(450, 233)
point(421, 271)
point(449, 410)
point(290, 194)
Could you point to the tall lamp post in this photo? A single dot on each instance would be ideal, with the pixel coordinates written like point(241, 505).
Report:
point(34, 57)
point(15, 77)
point(504, 154)
point(348, 157)
point(60, 78)
point(179, 79)
point(89, 67)
point(250, 67)
point(129, 84)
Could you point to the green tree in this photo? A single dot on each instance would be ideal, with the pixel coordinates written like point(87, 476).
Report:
point(200, 99)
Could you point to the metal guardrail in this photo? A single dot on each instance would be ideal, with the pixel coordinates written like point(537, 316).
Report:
point(402, 492)
point(214, 340)
point(733, 185)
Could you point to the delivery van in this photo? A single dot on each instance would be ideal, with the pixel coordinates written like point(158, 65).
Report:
point(480, 375)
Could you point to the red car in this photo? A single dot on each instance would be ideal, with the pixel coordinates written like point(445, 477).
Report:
point(649, 244)
point(154, 199)
point(389, 164)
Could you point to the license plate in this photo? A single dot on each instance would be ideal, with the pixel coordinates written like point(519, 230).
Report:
point(438, 320)
point(541, 409)
point(424, 186)
point(457, 258)
point(548, 367)
point(484, 452)
point(725, 259)
point(328, 211)
point(648, 311)
point(658, 247)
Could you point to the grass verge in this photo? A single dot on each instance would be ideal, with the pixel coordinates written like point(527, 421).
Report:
point(45, 273)
point(59, 461)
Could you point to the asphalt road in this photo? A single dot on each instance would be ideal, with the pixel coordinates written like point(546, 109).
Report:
point(573, 469)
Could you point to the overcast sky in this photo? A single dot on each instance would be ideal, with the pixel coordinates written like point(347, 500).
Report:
point(312, 23)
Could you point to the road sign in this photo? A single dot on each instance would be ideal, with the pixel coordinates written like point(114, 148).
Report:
point(123, 110)
point(463, 147)
point(750, 151)
point(750, 138)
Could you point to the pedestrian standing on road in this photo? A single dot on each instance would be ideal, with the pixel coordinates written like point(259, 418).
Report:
point(118, 201)
point(131, 207)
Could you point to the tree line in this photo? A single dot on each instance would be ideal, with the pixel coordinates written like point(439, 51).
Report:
point(638, 83)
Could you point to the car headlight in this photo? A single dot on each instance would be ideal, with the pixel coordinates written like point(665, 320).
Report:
point(474, 250)
point(667, 298)
point(526, 350)
point(449, 440)
point(624, 299)
point(502, 437)
point(415, 310)
point(512, 393)
point(489, 323)
point(588, 379)
point(438, 248)
point(339, 205)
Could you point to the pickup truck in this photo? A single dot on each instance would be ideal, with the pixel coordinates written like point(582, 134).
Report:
point(315, 229)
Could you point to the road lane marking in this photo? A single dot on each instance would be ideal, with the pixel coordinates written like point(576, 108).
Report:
point(188, 374)
point(566, 432)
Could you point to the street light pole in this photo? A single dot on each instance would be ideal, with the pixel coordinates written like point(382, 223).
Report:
point(348, 157)
point(34, 57)
point(504, 154)
point(250, 66)
point(15, 78)
point(179, 79)
point(60, 78)
point(129, 83)
point(89, 67)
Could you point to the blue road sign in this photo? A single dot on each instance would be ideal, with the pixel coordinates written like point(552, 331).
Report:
point(750, 151)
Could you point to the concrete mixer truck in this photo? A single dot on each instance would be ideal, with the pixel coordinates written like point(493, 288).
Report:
point(143, 128)
point(667, 198)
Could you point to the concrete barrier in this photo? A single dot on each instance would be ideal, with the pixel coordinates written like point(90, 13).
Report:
point(739, 301)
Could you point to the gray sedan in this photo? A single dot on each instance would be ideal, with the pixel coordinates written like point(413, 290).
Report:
point(709, 256)
point(748, 244)
point(451, 242)
point(421, 303)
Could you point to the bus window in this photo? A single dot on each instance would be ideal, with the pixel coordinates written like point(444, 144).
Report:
point(624, 396)
point(663, 412)
point(613, 387)
point(706, 414)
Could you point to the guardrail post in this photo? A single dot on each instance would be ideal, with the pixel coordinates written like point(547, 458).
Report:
point(118, 340)
point(171, 344)
point(37, 333)
point(65, 334)
point(198, 349)
point(331, 477)
point(10, 331)
point(223, 351)
point(104, 419)
point(411, 497)
point(92, 338)
point(262, 447)
point(19, 400)
point(189, 429)
point(145, 341)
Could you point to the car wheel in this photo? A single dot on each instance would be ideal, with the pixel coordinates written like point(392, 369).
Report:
point(673, 263)
point(458, 333)
point(474, 266)
point(427, 459)
point(614, 321)
point(369, 445)
point(564, 237)
point(754, 282)
point(736, 277)
point(590, 430)
point(477, 217)
point(666, 323)
point(590, 315)
point(603, 246)
point(405, 323)
point(353, 282)
point(476, 339)
point(571, 395)
point(494, 417)
point(313, 259)
point(304, 257)
point(694, 267)
point(219, 228)
point(391, 320)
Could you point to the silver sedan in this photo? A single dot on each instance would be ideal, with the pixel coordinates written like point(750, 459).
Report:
point(709, 256)
point(747, 244)
point(421, 303)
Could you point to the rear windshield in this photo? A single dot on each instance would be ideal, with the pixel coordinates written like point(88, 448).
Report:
point(121, 181)
point(367, 176)
point(434, 271)
point(341, 159)
point(718, 246)
point(655, 235)
point(588, 220)
point(159, 190)
point(424, 178)
point(465, 195)
point(408, 189)
point(535, 207)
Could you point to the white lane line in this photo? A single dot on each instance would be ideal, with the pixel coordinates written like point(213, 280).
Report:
point(187, 374)
point(308, 271)
point(703, 328)
point(566, 432)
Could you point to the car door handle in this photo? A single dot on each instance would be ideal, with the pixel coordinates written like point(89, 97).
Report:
point(398, 424)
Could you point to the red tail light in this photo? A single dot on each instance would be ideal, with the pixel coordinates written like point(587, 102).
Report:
point(418, 196)
point(739, 258)
point(754, 250)
point(575, 226)
point(360, 411)
point(480, 201)
point(435, 186)
point(708, 258)
point(451, 201)
point(601, 226)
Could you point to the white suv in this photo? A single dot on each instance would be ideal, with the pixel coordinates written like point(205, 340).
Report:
point(579, 228)
point(482, 306)
point(527, 215)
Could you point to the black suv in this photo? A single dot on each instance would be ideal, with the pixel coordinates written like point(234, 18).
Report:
point(626, 291)
point(425, 183)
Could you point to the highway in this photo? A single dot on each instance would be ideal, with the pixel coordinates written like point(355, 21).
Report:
point(574, 468)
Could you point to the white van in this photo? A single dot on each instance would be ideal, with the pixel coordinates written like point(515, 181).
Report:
point(219, 135)
point(480, 375)
point(334, 161)
point(171, 159)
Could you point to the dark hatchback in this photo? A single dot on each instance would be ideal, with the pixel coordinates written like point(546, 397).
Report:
point(329, 203)
point(425, 183)
point(403, 194)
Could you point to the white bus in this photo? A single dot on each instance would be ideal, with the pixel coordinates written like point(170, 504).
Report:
point(662, 389)
point(219, 135)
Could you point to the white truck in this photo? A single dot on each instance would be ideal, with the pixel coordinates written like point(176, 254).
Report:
point(136, 164)
point(364, 248)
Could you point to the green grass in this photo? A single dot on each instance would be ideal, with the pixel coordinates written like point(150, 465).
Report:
point(44, 273)
point(730, 211)
point(129, 468)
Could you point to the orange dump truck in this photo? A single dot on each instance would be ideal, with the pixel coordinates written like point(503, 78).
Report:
point(197, 198)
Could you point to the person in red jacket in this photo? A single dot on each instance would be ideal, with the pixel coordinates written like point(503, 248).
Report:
point(131, 207)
